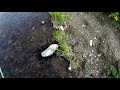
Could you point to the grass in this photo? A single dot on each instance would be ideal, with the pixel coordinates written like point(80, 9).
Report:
point(64, 49)
point(58, 17)
point(112, 71)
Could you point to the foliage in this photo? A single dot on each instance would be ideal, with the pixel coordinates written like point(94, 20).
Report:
point(112, 71)
point(59, 17)
point(64, 49)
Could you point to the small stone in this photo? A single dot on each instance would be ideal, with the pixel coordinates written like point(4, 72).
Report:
point(92, 51)
point(95, 38)
point(43, 22)
point(84, 55)
point(69, 68)
point(91, 42)
point(90, 55)
point(83, 25)
point(99, 55)
point(61, 28)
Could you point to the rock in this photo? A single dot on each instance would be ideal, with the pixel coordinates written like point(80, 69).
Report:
point(61, 28)
point(91, 42)
point(43, 22)
point(69, 68)
point(49, 51)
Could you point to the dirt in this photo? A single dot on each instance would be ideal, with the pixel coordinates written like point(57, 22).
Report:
point(92, 61)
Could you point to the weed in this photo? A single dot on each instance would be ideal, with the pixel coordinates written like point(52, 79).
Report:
point(115, 16)
point(59, 17)
point(64, 49)
point(60, 36)
point(112, 71)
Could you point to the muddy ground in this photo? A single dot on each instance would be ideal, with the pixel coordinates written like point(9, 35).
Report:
point(93, 61)
point(23, 37)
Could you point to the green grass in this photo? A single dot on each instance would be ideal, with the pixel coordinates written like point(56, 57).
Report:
point(64, 49)
point(112, 71)
point(58, 17)
point(60, 36)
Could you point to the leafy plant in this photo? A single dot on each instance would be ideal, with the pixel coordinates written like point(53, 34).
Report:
point(64, 49)
point(112, 71)
point(59, 17)
point(115, 16)
point(60, 36)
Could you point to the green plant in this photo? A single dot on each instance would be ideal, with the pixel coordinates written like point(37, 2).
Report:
point(115, 16)
point(60, 36)
point(58, 17)
point(64, 49)
point(112, 71)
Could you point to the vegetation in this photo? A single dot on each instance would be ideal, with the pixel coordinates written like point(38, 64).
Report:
point(114, 17)
point(59, 17)
point(112, 71)
point(64, 49)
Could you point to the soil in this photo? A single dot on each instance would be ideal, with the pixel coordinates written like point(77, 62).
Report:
point(23, 37)
point(92, 61)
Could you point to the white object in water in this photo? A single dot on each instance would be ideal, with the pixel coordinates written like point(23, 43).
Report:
point(50, 50)
point(43, 22)
point(70, 68)
point(91, 42)
point(1, 73)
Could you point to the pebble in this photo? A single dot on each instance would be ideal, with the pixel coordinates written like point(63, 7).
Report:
point(90, 55)
point(43, 22)
point(69, 68)
point(99, 55)
point(92, 51)
point(95, 38)
point(61, 28)
point(91, 42)
point(83, 25)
